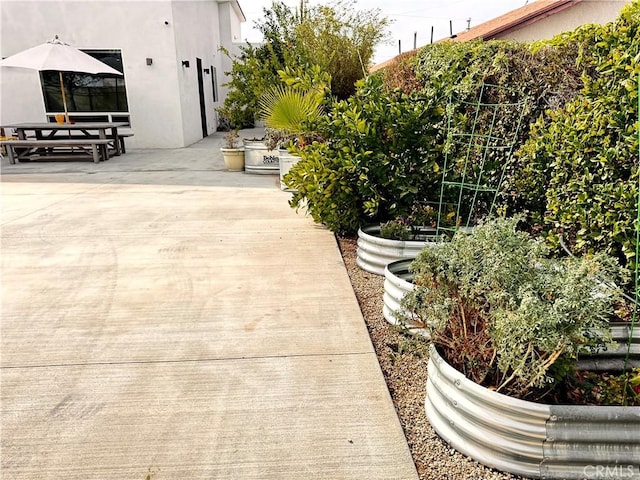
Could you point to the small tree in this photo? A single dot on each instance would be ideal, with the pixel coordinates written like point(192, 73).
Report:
point(251, 73)
point(338, 38)
point(341, 39)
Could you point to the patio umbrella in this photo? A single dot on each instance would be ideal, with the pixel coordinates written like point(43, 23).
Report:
point(57, 55)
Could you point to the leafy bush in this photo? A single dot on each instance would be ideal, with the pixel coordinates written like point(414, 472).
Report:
point(395, 230)
point(507, 315)
point(251, 74)
point(393, 130)
point(575, 174)
point(379, 159)
point(324, 182)
point(546, 73)
point(585, 154)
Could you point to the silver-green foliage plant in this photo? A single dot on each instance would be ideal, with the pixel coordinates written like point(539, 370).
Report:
point(506, 314)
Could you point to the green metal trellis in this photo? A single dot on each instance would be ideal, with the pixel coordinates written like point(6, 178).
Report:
point(476, 157)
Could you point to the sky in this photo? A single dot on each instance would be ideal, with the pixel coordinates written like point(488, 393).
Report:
point(409, 18)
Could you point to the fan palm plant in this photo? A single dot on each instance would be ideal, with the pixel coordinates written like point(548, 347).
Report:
point(291, 110)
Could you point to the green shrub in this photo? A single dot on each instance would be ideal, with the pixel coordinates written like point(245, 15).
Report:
point(504, 313)
point(324, 181)
point(546, 73)
point(379, 159)
point(255, 70)
point(584, 155)
point(575, 174)
point(392, 139)
point(395, 230)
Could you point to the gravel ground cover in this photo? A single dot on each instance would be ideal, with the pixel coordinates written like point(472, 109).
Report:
point(403, 359)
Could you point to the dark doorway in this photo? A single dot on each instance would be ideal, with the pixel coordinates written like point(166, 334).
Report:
point(203, 110)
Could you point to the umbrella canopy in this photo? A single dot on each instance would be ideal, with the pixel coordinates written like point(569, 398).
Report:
point(57, 55)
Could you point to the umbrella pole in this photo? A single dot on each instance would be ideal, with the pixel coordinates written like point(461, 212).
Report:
point(64, 99)
point(64, 102)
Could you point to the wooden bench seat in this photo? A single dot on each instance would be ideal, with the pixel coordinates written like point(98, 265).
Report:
point(45, 148)
point(121, 137)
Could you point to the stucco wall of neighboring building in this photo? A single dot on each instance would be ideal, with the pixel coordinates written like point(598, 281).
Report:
point(163, 97)
point(587, 11)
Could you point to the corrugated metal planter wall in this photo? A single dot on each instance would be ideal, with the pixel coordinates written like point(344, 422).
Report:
point(375, 252)
point(259, 159)
point(397, 283)
point(531, 439)
point(628, 340)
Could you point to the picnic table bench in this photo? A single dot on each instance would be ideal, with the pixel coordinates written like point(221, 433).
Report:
point(121, 137)
point(99, 140)
point(27, 149)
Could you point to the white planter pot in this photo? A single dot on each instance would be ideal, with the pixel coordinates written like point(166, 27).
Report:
point(375, 252)
point(287, 160)
point(258, 159)
point(531, 439)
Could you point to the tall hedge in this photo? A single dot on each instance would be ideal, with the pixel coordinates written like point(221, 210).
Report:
point(575, 171)
point(585, 153)
point(391, 134)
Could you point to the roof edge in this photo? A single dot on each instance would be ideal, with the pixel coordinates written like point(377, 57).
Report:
point(529, 14)
point(235, 4)
point(527, 19)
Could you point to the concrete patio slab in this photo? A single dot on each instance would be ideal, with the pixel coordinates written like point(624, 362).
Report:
point(165, 319)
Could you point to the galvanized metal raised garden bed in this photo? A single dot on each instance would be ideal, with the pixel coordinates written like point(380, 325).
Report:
point(531, 439)
point(375, 252)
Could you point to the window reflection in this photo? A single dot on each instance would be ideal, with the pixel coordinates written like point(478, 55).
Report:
point(85, 92)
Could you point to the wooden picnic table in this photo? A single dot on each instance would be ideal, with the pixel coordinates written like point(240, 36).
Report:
point(50, 131)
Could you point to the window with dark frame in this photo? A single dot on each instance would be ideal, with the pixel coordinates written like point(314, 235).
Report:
point(85, 92)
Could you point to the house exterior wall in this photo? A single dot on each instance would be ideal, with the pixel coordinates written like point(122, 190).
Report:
point(196, 36)
point(163, 97)
point(585, 12)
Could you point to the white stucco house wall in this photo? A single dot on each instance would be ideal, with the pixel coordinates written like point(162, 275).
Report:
point(169, 104)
